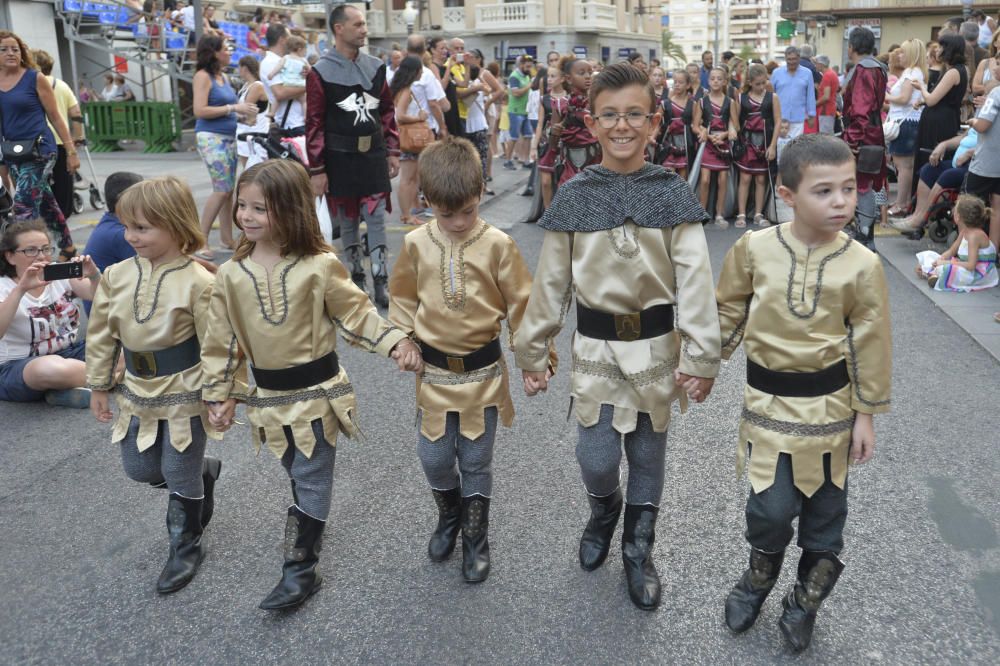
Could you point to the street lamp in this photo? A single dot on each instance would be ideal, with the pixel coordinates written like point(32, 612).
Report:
point(410, 14)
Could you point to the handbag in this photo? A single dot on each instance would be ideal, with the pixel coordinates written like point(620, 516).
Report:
point(890, 128)
point(738, 149)
point(871, 159)
point(19, 152)
point(414, 137)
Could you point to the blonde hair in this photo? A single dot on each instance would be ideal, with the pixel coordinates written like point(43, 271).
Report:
point(914, 56)
point(165, 203)
point(972, 212)
point(291, 208)
point(755, 70)
point(451, 173)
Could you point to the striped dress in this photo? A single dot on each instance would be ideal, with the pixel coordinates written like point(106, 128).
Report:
point(959, 278)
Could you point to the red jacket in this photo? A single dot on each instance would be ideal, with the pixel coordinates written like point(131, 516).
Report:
point(864, 96)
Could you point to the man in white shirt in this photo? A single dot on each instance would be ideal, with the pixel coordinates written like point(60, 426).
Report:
point(428, 91)
point(285, 101)
point(187, 18)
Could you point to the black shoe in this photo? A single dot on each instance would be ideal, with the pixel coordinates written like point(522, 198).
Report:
point(489, 192)
point(211, 468)
point(475, 544)
point(186, 552)
point(818, 573)
point(300, 578)
point(596, 540)
point(356, 264)
point(745, 599)
point(638, 537)
point(915, 235)
point(449, 504)
point(528, 192)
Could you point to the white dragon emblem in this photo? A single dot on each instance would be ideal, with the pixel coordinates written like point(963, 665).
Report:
point(361, 104)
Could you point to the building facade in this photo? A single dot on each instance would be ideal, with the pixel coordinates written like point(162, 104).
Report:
point(747, 26)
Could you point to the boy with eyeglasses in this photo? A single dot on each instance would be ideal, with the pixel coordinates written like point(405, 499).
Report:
point(626, 237)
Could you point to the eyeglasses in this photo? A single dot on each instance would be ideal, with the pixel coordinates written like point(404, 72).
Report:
point(32, 252)
point(635, 119)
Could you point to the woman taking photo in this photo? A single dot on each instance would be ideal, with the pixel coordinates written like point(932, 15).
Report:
point(217, 111)
point(41, 355)
point(26, 103)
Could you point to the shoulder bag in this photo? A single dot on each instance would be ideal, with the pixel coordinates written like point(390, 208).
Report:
point(19, 152)
point(414, 137)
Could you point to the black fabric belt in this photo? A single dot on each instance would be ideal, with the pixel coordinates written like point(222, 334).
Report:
point(169, 361)
point(339, 143)
point(798, 384)
point(485, 356)
point(650, 323)
point(298, 376)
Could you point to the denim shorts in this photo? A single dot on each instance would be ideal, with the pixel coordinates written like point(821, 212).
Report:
point(520, 126)
point(904, 144)
point(12, 386)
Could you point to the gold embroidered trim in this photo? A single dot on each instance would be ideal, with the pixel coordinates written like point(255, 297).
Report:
point(156, 292)
point(797, 429)
point(454, 300)
point(819, 275)
point(620, 249)
point(338, 391)
point(169, 400)
point(284, 291)
point(854, 372)
point(736, 337)
point(481, 375)
point(612, 371)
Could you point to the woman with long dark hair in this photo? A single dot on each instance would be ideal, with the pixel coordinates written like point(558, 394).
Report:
point(409, 109)
point(217, 110)
point(941, 118)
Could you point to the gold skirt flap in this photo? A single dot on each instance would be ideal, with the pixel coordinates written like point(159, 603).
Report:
point(468, 394)
point(624, 420)
point(806, 453)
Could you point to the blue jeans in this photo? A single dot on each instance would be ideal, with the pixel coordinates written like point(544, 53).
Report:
point(520, 126)
point(12, 385)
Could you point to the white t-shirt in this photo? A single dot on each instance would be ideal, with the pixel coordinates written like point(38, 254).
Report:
point(906, 111)
point(475, 118)
point(534, 100)
point(426, 89)
point(296, 117)
point(187, 16)
point(44, 325)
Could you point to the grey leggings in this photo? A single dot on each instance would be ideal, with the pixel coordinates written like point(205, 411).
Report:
point(312, 477)
point(349, 228)
point(474, 457)
point(599, 452)
point(162, 462)
point(866, 211)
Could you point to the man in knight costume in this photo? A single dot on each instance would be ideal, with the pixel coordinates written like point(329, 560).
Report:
point(352, 144)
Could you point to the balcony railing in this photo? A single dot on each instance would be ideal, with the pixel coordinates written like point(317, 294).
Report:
point(453, 19)
point(510, 17)
point(376, 22)
point(313, 9)
point(595, 16)
point(397, 24)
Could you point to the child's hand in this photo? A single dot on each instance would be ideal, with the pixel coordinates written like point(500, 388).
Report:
point(407, 356)
point(99, 406)
point(697, 388)
point(221, 414)
point(863, 439)
point(535, 381)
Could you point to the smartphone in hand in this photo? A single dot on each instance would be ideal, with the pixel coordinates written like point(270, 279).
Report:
point(62, 271)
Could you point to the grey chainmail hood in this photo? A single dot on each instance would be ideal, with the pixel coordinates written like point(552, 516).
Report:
point(599, 199)
point(335, 68)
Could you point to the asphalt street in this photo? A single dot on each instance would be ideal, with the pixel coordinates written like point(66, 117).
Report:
point(82, 545)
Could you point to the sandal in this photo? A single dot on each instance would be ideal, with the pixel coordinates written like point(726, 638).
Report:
point(741, 221)
point(206, 254)
point(898, 212)
point(760, 220)
point(721, 223)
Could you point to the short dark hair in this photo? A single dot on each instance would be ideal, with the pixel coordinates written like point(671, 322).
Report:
point(727, 55)
point(8, 242)
point(338, 14)
point(618, 76)
point(952, 50)
point(451, 173)
point(117, 183)
point(809, 150)
point(862, 41)
point(275, 31)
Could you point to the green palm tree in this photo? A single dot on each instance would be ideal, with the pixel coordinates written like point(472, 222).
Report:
point(672, 50)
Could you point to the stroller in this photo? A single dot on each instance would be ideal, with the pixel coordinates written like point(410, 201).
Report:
point(96, 200)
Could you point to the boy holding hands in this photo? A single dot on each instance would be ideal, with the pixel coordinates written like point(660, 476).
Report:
point(811, 307)
point(626, 237)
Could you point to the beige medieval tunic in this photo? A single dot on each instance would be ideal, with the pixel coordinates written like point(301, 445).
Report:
point(454, 297)
point(622, 270)
point(284, 319)
point(801, 309)
point(147, 309)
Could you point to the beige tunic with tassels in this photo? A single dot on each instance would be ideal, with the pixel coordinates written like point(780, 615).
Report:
point(286, 319)
point(623, 270)
point(454, 297)
point(147, 309)
point(801, 309)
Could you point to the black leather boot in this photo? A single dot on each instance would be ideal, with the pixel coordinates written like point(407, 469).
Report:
point(746, 598)
point(818, 573)
point(638, 537)
point(356, 264)
point(596, 540)
point(186, 551)
point(449, 504)
point(380, 277)
point(300, 578)
point(475, 544)
point(211, 468)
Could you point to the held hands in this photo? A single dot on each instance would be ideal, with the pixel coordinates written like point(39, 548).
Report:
point(407, 356)
point(99, 406)
point(221, 414)
point(697, 388)
point(535, 382)
point(862, 439)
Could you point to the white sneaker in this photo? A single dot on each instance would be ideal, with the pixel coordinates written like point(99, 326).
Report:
point(721, 223)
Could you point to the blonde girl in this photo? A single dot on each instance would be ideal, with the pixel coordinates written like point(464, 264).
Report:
point(901, 97)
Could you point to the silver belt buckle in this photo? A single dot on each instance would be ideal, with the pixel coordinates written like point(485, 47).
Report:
point(364, 144)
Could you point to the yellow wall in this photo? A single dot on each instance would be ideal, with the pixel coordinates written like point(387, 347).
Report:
point(895, 30)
